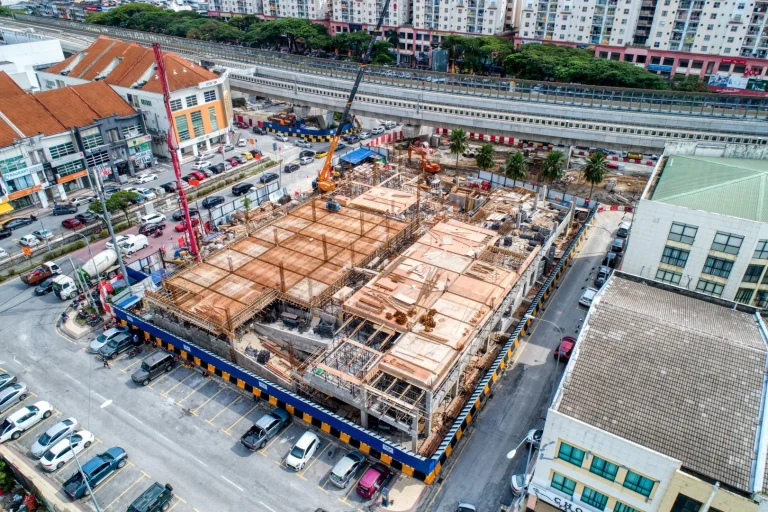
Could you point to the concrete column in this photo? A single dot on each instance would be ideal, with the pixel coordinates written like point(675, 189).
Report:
point(207, 144)
point(364, 411)
point(195, 150)
point(62, 192)
point(455, 388)
point(415, 434)
point(429, 411)
point(40, 193)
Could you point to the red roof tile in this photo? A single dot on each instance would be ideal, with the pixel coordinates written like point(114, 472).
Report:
point(91, 55)
point(9, 88)
point(29, 116)
point(7, 134)
point(115, 51)
point(103, 99)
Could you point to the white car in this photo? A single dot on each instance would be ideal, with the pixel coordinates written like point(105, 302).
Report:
point(62, 452)
point(202, 157)
point(228, 147)
point(43, 234)
point(24, 419)
point(587, 297)
point(52, 436)
point(377, 130)
point(303, 143)
point(199, 166)
point(120, 239)
point(306, 160)
point(364, 135)
point(82, 200)
point(519, 482)
point(145, 193)
point(281, 137)
point(145, 178)
point(302, 451)
point(241, 143)
point(29, 240)
point(3, 253)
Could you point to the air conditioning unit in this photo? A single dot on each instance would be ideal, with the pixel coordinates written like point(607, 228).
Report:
point(735, 17)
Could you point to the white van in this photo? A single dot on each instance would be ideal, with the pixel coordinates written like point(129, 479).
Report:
point(134, 244)
point(624, 229)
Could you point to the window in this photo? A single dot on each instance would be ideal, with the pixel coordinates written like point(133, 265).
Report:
point(639, 484)
point(727, 243)
point(594, 498)
point(93, 139)
point(176, 105)
point(717, 267)
point(563, 484)
point(197, 123)
point(191, 101)
point(620, 507)
point(710, 27)
point(682, 233)
point(212, 118)
point(604, 468)
point(70, 168)
point(13, 164)
point(685, 504)
point(744, 295)
point(146, 103)
point(709, 287)
point(761, 250)
point(182, 128)
point(61, 150)
point(761, 299)
point(707, 37)
point(133, 130)
point(571, 454)
point(668, 277)
point(753, 273)
point(675, 257)
point(97, 159)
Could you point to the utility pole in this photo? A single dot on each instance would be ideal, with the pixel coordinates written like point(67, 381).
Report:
point(108, 222)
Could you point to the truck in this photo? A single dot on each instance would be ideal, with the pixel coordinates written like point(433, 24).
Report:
point(94, 472)
point(41, 273)
point(103, 263)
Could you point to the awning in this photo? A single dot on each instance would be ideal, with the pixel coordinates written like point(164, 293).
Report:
point(357, 156)
point(5, 208)
point(128, 302)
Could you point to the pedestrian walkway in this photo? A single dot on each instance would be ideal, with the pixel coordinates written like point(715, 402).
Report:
point(405, 495)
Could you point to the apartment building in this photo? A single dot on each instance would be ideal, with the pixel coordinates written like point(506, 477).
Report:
point(229, 8)
point(200, 99)
point(660, 408)
point(701, 224)
point(48, 141)
point(356, 14)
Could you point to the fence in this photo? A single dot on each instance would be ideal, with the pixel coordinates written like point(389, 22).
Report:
point(404, 460)
point(499, 180)
point(270, 191)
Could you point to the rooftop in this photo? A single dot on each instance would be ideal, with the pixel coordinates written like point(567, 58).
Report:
point(131, 65)
point(8, 87)
point(730, 186)
point(58, 110)
point(686, 376)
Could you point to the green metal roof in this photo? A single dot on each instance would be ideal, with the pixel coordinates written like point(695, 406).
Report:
point(731, 186)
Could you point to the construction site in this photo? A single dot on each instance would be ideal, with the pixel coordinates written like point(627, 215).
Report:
point(384, 301)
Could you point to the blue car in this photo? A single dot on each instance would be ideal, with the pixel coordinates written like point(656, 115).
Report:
point(96, 471)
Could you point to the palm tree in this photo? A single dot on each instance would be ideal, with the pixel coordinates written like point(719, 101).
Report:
point(595, 170)
point(516, 167)
point(484, 158)
point(553, 167)
point(458, 140)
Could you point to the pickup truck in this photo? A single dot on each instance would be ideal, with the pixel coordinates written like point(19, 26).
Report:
point(95, 471)
point(41, 273)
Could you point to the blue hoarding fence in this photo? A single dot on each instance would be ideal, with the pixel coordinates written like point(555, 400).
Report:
point(310, 134)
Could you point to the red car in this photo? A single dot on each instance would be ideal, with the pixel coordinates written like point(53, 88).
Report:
point(566, 348)
point(182, 226)
point(372, 480)
point(198, 175)
point(241, 124)
point(233, 162)
point(72, 223)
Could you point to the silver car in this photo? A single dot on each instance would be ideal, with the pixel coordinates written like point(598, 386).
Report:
point(6, 379)
point(104, 338)
point(13, 394)
point(52, 436)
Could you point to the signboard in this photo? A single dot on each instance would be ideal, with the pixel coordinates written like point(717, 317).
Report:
point(757, 85)
point(728, 81)
point(18, 173)
point(70, 177)
point(659, 67)
point(733, 61)
point(25, 192)
point(560, 501)
point(66, 159)
point(26, 250)
point(137, 141)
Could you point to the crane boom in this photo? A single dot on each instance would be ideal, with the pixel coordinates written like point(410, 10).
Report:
point(172, 147)
point(324, 182)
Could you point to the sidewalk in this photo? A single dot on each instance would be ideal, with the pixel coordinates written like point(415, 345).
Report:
point(75, 330)
point(405, 495)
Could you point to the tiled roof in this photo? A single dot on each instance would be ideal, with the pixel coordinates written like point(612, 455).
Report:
point(674, 372)
point(135, 61)
point(9, 88)
point(58, 110)
point(730, 186)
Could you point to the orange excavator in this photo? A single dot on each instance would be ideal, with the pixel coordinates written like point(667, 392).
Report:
point(426, 166)
point(324, 181)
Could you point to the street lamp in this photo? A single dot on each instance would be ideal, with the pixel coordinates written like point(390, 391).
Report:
point(80, 468)
point(86, 291)
point(531, 317)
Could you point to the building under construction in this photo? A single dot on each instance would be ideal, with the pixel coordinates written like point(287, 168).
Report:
point(385, 308)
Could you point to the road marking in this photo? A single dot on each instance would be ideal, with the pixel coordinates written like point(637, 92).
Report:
point(194, 411)
point(163, 377)
point(110, 477)
point(105, 404)
point(233, 483)
point(178, 384)
point(226, 431)
point(263, 451)
point(354, 484)
point(142, 477)
point(178, 500)
point(301, 473)
point(195, 390)
point(238, 397)
point(62, 336)
point(125, 370)
point(266, 506)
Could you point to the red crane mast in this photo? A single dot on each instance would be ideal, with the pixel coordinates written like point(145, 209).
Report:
point(173, 147)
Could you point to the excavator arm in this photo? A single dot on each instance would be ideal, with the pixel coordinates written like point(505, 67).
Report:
point(324, 181)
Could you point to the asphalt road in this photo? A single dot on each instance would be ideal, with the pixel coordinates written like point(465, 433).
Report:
point(481, 472)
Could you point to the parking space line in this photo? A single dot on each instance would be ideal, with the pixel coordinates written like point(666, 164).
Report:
point(238, 397)
point(142, 477)
point(226, 431)
point(39, 424)
point(301, 473)
point(194, 391)
point(109, 478)
point(178, 384)
point(163, 377)
point(194, 411)
point(179, 500)
point(20, 402)
point(125, 370)
point(94, 443)
point(354, 484)
point(263, 451)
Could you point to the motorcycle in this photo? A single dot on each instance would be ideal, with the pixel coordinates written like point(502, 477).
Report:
point(157, 234)
point(134, 352)
point(94, 320)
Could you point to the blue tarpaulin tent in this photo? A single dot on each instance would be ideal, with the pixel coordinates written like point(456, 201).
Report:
point(357, 156)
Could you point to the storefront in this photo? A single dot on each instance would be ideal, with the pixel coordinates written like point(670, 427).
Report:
point(70, 172)
point(21, 185)
point(140, 152)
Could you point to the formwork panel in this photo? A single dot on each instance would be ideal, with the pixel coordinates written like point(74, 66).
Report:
point(305, 211)
point(267, 274)
point(228, 260)
point(328, 273)
point(240, 289)
point(291, 260)
point(311, 247)
point(204, 274)
point(333, 235)
point(348, 224)
point(211, 306)
point(301, 290)
point(267, 234)
point(292, 223)
point(252, 247)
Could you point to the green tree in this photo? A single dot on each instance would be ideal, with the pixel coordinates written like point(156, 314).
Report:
point(381, 54)
point(392, 36)
point(4, 11)
point(244, 22)
point(7, 479)
point(595, 170)
point(484, 158)
point(120, 200)
point(553, 167)
point(516, 167)
point(458, 140)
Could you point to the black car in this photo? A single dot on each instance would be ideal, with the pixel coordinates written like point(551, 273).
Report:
point(18, 223)
point(45, 287)
point(64, 209)
point(340, 145)
point(290, 168)
point(5, 233)
point(152, 228)
point(111, 189)
point(117, 345)
point(218, 168)
point(242, 188)
point(210, 202)
point(169, 187)
point(179, 214)
point(255, 152)
point(259, 131)
point(306, 152)
point(268, 177)
point(353, 139)
point(86, 217)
